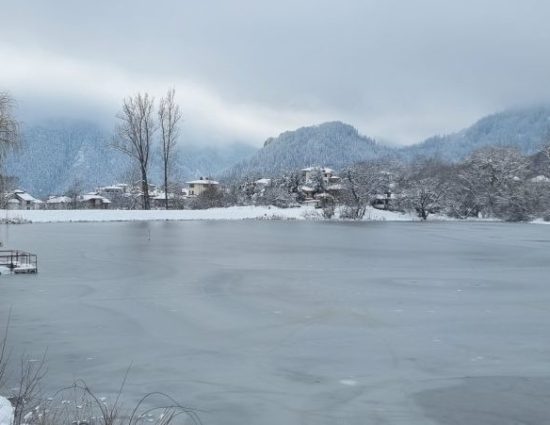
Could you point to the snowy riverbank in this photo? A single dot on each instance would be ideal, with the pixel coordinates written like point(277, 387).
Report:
point(230, 213)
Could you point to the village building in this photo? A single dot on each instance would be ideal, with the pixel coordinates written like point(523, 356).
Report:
point(116, 189)
point(158, 200)
point(262, 182)
point(59, 203)
point(540, 179)
point(384, 201)
point(21, 200)
point(321, 183)
point(196, 187)
point(93, 201)
point(328, 174)
point(334, 189)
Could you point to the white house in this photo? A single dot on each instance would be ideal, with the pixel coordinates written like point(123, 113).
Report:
point(21, 200)
point(540, 179)
point(58, 202)
point(262, 182)
point(93, 201)
point(310, 173)
point(117, 189)
point(158, 199)
point(196, 187)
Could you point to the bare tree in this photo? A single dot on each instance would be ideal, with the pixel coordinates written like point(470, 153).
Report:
point(209, 198)
point(491, 176)
point(74, 191)
point(9, 139)
point(134, 135)
point(169, 116)
point(424, 187)
point(27, 395)
point(360, 184)
point(4, 352)
point(9, 126)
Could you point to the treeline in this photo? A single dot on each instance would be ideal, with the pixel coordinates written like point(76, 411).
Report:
point(493, 182)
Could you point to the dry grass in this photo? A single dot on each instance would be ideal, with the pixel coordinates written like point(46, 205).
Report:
point(78, 404)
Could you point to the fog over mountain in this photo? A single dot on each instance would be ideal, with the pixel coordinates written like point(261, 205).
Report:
point(57, 154)
point(336, 144)
point(60, 153)
point(526, 129)
point(248, 70)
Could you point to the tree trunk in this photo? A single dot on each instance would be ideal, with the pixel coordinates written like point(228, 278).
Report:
point(145, 190)
point(166, 184)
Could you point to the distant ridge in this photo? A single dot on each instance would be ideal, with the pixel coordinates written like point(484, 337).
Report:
point(526, 129)
point(58, 153)
point(333, 144)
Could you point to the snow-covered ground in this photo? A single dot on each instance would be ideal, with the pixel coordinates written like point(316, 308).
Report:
point(230, 213)
point(6, 412)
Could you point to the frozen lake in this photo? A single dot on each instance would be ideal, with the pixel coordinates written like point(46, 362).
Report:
point(272, 323)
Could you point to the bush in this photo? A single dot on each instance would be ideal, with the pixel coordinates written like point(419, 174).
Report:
point(210, 198)
point(348, 212)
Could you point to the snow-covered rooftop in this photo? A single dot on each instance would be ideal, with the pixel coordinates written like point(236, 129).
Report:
point(115, 188)
point(59, 200)
point(204, 181)
point(162, 196)
point(94, 196)
point(24, 196)
point(540, 179)
point(325, 170)
point(263, 181)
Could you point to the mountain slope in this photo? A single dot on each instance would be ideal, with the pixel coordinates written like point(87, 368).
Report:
point(57, 154)
point(332, 144)
point(61, 153)
point(526, 129)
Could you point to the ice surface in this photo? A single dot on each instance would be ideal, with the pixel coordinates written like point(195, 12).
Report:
point(272, 322)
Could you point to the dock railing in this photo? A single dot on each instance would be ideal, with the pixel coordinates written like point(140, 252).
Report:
point(19, 261)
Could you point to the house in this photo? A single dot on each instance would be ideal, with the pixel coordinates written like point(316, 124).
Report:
point(334, 189)
point(93, 201)
point(310, 173)
point(320, 183)
point(158, 200)
point(540, 179)
point(196, 187)
point(21, 200)
point(59, 203)
point(384, 201)
point(262, 182)
point(116, 189)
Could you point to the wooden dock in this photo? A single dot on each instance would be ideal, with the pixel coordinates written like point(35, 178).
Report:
point(18, 262)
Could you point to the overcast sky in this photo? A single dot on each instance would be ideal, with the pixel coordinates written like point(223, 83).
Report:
point(398, 70)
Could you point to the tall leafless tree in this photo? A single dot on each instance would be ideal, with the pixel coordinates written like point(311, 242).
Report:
point(491, 175)
point(134, 135)
point(9, 126)
point(424, 186)
point(360, 184)
point(169, 117)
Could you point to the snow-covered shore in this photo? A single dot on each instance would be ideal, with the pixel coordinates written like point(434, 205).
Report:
point(230, 213)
